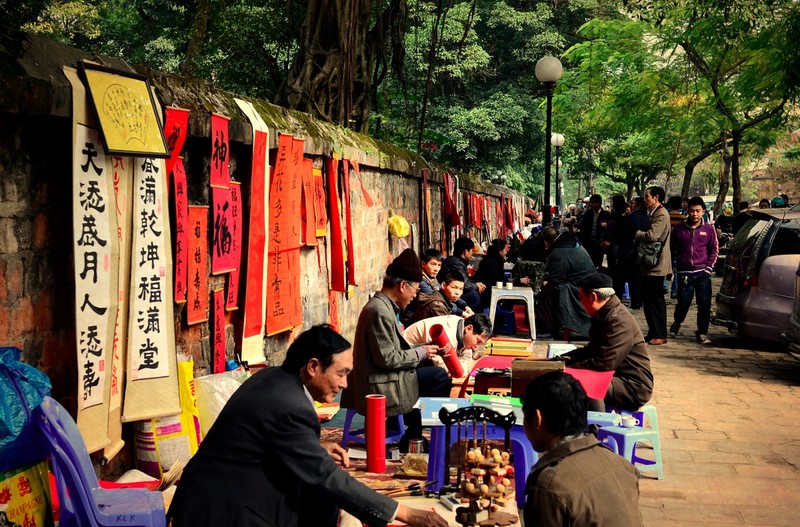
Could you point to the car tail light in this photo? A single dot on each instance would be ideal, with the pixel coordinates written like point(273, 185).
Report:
point(750, 282)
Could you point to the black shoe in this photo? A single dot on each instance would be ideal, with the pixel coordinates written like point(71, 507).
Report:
point(674, 329)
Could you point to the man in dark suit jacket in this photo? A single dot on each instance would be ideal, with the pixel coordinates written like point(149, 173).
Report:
point(262, 463)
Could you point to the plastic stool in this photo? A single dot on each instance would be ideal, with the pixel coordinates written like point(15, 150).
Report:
point(517, 293)
point(603, 418)
point(648, 410)
point(623, 441)
point(522, 451)
point(358, 436)
point(504, 322)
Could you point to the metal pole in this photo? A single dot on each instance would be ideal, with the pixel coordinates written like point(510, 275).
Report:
point(549, 87)
point(558, 186)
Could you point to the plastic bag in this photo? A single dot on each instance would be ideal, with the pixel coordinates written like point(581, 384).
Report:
point(22, 388)
point(213, 391)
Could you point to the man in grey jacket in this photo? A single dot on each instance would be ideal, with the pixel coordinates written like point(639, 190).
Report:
point(658, 230)
point(384, 362)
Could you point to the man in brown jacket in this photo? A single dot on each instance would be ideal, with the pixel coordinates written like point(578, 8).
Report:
point(615, 343)
point(653, 303)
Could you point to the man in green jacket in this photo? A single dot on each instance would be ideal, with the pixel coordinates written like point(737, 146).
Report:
point(577, 480)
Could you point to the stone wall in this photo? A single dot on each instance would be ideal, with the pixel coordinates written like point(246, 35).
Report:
point(36, 266)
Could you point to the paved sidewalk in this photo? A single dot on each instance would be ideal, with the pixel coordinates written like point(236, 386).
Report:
point(729, 415)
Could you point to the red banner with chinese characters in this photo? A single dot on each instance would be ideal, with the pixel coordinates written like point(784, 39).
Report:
point(219, 331)
point(176, 123)
point(232, 295)
point(320, 213)
point(283, 298)
point(220, 173)
point(338, 278)
point(197, 306)
point(225, 230)
point(181, 231)
point(309, 213)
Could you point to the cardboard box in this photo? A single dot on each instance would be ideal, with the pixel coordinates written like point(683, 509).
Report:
point(522, 371)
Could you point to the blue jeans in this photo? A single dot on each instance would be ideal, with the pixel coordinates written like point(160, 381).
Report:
point(694, 285)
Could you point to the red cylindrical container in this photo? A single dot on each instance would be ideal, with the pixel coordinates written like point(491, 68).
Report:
point(449, 353)
point(375, 431)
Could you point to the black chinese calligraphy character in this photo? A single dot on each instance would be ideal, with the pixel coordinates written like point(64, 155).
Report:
point(90, 154)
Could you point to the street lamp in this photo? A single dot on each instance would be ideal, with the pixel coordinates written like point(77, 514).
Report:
point(548, 71)
point(557, 140)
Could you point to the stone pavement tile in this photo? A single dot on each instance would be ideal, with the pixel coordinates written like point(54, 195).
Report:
point(705, 435)
point(768, 471)
point(686, 444)
point(783, 516)
point(698, 469)
point(651, 514)
point(675, 455)
point(721, 457)
point(741, 447)
point(704, 515)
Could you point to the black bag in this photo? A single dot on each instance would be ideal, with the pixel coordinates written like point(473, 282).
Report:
point(648, 254)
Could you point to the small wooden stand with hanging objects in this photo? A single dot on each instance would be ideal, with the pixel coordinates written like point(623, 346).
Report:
point(481, 471)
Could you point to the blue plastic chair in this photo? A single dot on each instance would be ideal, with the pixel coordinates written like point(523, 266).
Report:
point(82, 501)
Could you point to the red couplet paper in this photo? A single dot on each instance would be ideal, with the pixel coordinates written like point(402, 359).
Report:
point(321, 217)
point(220, 174)
point(351, 253)
point(197, 306)
point(333, 306)
point(219, 331)
point(225, 229)
point(308, 211)
point(257, 239)
point(338, 279)
point(595, 383)
point(176, 123)
point(181, 231)
point(232, 296)
point(375, 425)
point(449, 353)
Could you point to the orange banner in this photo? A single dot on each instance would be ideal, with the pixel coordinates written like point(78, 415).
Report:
point(257, 240)
point(197, 307)
point(181, 230)
point(308, 212)
point(320, 216)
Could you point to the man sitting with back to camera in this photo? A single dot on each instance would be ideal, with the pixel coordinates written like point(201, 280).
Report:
point(577, 480)
point(615, 343)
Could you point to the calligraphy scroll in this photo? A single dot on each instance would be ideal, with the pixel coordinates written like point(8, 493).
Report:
point(222, 227)
point(320, 216)
point(152, 374)
point(348, 222)
point(94, 221)
point(219, 332)
point(220, 173)
point(232, 297)
point(337, 267)
point(197, 307)
point(255, 292)
point(175, 127)
point(283, 284)
point(308, 211)
point(123, 178)
point(181, 231)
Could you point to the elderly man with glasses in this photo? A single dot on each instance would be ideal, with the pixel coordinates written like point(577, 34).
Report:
point(384, 362)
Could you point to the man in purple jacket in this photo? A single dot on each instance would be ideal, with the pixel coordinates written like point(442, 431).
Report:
point(694, 242)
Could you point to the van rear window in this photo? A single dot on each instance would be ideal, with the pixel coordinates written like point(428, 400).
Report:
point(787, 239)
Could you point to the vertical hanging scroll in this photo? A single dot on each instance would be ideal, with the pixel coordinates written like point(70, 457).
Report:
point(255, 292)
point(351, 253)
point(232, 296)
point(219, 331)
point(337, 266)
point(152, 374)
point(175, 125)
point(96, 274)
point(197, 307)
point(181, 231)
point(308, 211)
point(319, 204)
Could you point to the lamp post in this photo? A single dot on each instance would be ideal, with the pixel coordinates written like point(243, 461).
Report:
point(557, 141)
point(548, 71)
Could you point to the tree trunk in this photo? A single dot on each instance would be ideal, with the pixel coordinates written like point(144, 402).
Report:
point(736, 136)
point(197, 39)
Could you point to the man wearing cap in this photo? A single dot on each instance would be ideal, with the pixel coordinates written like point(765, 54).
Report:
point(615, 343)
point(384, 362)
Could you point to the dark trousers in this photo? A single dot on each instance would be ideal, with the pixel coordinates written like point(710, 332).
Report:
point(694, 285)
point(433, 381)
point(473, 300)
point(655, 307)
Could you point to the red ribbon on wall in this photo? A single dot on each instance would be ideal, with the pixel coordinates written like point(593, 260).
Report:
point(338, 278)
point(257, 239)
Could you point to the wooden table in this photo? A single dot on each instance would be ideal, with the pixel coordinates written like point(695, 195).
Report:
point(428, 504)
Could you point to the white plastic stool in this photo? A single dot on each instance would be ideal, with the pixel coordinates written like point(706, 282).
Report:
point(516, 293)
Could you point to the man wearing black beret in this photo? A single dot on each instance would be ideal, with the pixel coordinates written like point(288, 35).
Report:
point(384, 362)
point(615, 343)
